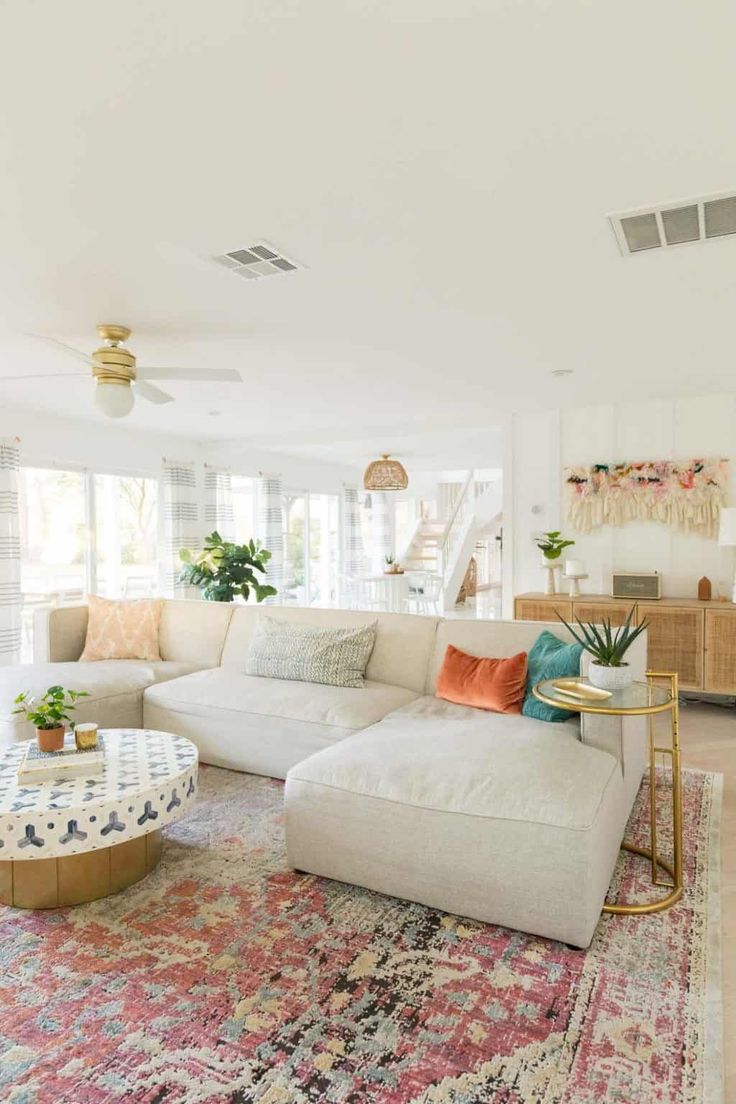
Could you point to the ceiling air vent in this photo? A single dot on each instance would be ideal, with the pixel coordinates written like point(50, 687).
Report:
point(256, 261)
point(692, 220)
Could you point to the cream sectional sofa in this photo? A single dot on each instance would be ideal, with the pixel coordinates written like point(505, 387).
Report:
point(501, 818)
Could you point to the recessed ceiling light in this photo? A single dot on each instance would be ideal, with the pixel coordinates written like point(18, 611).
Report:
point(561, 372)
point(214, 413)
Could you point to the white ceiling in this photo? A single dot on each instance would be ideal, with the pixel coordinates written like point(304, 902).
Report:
point(443, 167)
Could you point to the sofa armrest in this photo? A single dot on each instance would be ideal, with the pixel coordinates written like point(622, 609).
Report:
point(59, 633)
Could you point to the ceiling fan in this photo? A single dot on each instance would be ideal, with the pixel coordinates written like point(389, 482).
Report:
point(116, 373)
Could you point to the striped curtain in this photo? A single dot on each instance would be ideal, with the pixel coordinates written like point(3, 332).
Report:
point(382, 529)
point(270, 528)
point(10, 596)
point(180, 524)
point(218, 502)
point(355, 561)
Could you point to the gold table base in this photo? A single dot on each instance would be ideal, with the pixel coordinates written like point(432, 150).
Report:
point(674, 870)
point(76, 879)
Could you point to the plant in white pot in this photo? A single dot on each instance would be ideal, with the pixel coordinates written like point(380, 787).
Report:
point(608, 669)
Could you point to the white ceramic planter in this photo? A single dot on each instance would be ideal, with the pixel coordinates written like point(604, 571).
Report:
point(610, 678)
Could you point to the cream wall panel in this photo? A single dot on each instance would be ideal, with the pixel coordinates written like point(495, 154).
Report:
point(666, 428)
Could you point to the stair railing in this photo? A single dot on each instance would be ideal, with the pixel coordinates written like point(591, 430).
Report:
point(457, 527)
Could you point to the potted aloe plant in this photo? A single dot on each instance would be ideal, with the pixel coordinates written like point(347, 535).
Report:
point(48, 714)
point(608, 669)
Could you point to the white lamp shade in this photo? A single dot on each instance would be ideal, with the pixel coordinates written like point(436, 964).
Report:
point(727, 530)
point(115, 400)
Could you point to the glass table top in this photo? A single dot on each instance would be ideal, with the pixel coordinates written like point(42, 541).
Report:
point(639, 697)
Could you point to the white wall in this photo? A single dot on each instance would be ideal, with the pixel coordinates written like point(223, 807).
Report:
point(109, 446)
point(542, 444)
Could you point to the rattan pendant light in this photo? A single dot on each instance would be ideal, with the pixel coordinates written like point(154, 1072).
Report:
point(385, 475)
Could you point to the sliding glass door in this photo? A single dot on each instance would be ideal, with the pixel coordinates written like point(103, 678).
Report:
point(125, 556)
point(324, 549)
point(311, 549)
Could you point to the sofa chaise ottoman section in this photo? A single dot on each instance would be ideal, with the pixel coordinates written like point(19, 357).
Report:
point(264, 725)
point(503, 819)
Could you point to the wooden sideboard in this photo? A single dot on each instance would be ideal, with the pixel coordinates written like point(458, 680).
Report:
point(696, 639)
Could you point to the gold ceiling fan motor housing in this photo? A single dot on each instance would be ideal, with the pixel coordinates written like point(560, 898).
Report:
point(116, 363)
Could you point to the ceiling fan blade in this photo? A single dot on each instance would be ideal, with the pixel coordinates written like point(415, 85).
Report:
point(47, 375)
point(69, 349)
point(211, 375)
point(153, 394)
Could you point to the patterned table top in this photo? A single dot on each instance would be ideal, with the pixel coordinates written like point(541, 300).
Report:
point(148, 780)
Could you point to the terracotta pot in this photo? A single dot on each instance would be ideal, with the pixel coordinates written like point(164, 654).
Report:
point(50, 739)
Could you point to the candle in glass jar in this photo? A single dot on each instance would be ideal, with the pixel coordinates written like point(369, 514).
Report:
point(574, 567)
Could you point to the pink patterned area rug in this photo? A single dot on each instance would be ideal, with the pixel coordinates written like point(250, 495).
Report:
point(225, 977)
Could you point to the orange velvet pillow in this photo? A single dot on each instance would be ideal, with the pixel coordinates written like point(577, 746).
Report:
point(495, 684)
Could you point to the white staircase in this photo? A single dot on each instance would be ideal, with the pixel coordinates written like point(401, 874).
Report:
point(445, 547)
point(423, 552)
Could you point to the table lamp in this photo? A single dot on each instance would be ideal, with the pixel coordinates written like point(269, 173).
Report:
point(727, 535)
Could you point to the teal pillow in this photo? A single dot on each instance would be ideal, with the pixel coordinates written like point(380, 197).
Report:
point(549, 658)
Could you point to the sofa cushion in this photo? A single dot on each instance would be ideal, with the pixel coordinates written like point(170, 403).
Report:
point(497, 685)
point(400, 656)
point(550, 658)
point(118, 629)
point(486, 765)
point(332, 657)
point(485, 638)
point(222, 690)
point(111, 680)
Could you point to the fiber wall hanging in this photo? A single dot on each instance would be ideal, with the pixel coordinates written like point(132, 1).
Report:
point(687, 494)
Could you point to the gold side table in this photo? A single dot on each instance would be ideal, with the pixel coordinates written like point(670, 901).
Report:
point(642, 699)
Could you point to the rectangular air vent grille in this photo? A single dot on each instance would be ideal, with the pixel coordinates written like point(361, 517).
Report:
point(693, 220)
point(256, 261)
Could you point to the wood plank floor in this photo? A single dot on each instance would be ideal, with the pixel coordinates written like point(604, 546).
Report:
point(708, 740)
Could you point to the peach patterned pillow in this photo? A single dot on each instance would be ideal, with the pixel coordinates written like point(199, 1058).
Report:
point(122, 630)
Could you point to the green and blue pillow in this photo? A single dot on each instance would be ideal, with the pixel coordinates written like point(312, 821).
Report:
point(550, 658)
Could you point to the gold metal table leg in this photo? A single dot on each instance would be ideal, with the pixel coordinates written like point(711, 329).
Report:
point(674, 870)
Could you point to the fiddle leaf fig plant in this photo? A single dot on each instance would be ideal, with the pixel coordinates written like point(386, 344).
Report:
point(51, 709)
point(224, 570)
point(552, 543)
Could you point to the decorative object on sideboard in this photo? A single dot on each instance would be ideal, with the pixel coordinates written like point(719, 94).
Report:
point(224, 570)
point(687, 495)
point(705, 590)
point(551, 545)
point(48, 714)
point(636, 584)
point(608, 670)
point(727, 536)
point(574, 572)
point(385, 475)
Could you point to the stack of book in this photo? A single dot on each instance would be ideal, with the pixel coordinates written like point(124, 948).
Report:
point(40, 766)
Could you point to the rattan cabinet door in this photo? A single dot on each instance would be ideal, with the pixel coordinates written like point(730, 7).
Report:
point(540, 609)
point(595, 612)
point(675, 642)
point(720, 651)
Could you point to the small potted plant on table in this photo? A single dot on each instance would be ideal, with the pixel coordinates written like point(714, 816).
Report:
point(551, 545)
point(48, 714)
point(608, 669)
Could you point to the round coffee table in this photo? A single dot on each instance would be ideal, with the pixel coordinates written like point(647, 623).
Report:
point(71, 840)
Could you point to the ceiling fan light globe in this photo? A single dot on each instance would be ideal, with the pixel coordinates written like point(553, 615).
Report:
point(114, 400)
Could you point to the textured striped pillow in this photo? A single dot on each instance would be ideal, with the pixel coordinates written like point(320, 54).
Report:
point(335, 657)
